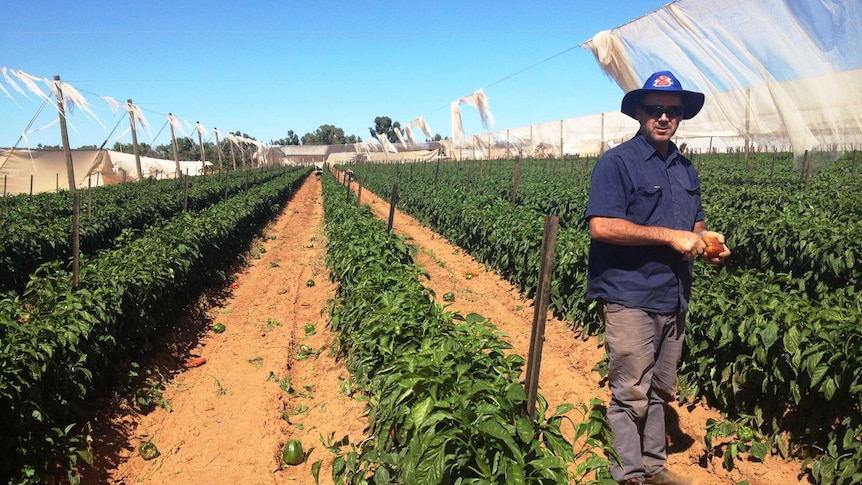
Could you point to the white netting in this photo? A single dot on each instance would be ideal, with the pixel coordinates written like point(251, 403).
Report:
point(775, 73)
point(777, 76)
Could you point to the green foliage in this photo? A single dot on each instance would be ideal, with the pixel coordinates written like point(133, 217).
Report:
point(38, 230)
point(444, 403)
point(383, 125)
point(59, 346)
point(781, 319)
point(328, 135)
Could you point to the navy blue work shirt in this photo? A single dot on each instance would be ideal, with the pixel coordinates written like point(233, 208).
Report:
point(633, 181)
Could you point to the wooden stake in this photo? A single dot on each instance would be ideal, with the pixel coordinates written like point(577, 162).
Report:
point(135, 148)
point(76, 238)
point(392, 203)
point(178, 171)
point(201, 144)
point(540, 316)
point(64, 134)
point(515, 180)
point(218, 150)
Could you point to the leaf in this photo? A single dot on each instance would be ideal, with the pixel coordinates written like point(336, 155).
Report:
point(86, 456)
point(315, 471)
point(563, 409)
point(759, 450)
point(515, 392)
point(431, 465)
point(493, 428)
point(420, 411)
point(515, 474)
point(525, 429)
point(769, 334)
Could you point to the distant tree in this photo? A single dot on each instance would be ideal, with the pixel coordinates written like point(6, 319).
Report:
point(384, 125)
point(144, 149)
point(328, 135)
point(291, 139)
point(437, 137)
point(47, 147)
point(187, 149)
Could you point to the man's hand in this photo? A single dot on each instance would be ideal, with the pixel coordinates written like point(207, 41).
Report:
point(689, 244)
point(718, 259)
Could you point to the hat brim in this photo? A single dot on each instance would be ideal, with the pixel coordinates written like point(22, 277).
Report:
point(692, 102)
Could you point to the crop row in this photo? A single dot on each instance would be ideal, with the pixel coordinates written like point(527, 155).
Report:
point(61, 346)
point(770, 222)
point(38, 229)
point(753, 333)
point(445, 404)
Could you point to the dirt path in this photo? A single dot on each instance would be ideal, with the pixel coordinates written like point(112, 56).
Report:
point(231, 416)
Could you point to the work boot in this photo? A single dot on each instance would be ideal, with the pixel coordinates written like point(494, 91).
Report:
point(667, 477)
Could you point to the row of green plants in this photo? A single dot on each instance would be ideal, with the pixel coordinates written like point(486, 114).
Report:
point(61, 346)
point(776, 360)
point(444, 401)
point(759, 205)
point(39, 229)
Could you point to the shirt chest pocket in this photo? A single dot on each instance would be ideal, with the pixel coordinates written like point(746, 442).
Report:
point(645, 206)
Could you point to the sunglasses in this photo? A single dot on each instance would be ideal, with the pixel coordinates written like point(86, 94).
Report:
point(655, 111)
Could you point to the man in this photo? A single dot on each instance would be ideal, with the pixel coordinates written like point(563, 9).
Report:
point(646, 227)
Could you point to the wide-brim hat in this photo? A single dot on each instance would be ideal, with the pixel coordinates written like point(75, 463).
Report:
point(663, 82)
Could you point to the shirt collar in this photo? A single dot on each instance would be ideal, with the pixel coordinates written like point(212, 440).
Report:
point(648, 151)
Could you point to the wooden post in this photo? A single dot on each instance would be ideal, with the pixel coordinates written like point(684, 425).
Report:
point(583, 173)
point(392, 204)
point(218, 150)
point(64, 134)
point(561, 139)
point(772, 167)
point(76, 239)
point(232, 155)
point(186, 192)
point(806, 167)
point(853, 169)
point(177, 171)
point(602, 142)
point(201, 144)
point(515, 179)
point(358, 191)
point(469, 175)
point(540, 315)
point(135, 148)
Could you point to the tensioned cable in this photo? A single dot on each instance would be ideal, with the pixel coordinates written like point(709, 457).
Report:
point(30, 124)
point(558, 54)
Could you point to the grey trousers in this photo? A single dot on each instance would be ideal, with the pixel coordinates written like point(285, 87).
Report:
point(643, 349)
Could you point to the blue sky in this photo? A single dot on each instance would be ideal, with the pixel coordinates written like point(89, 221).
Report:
point(264, 68)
